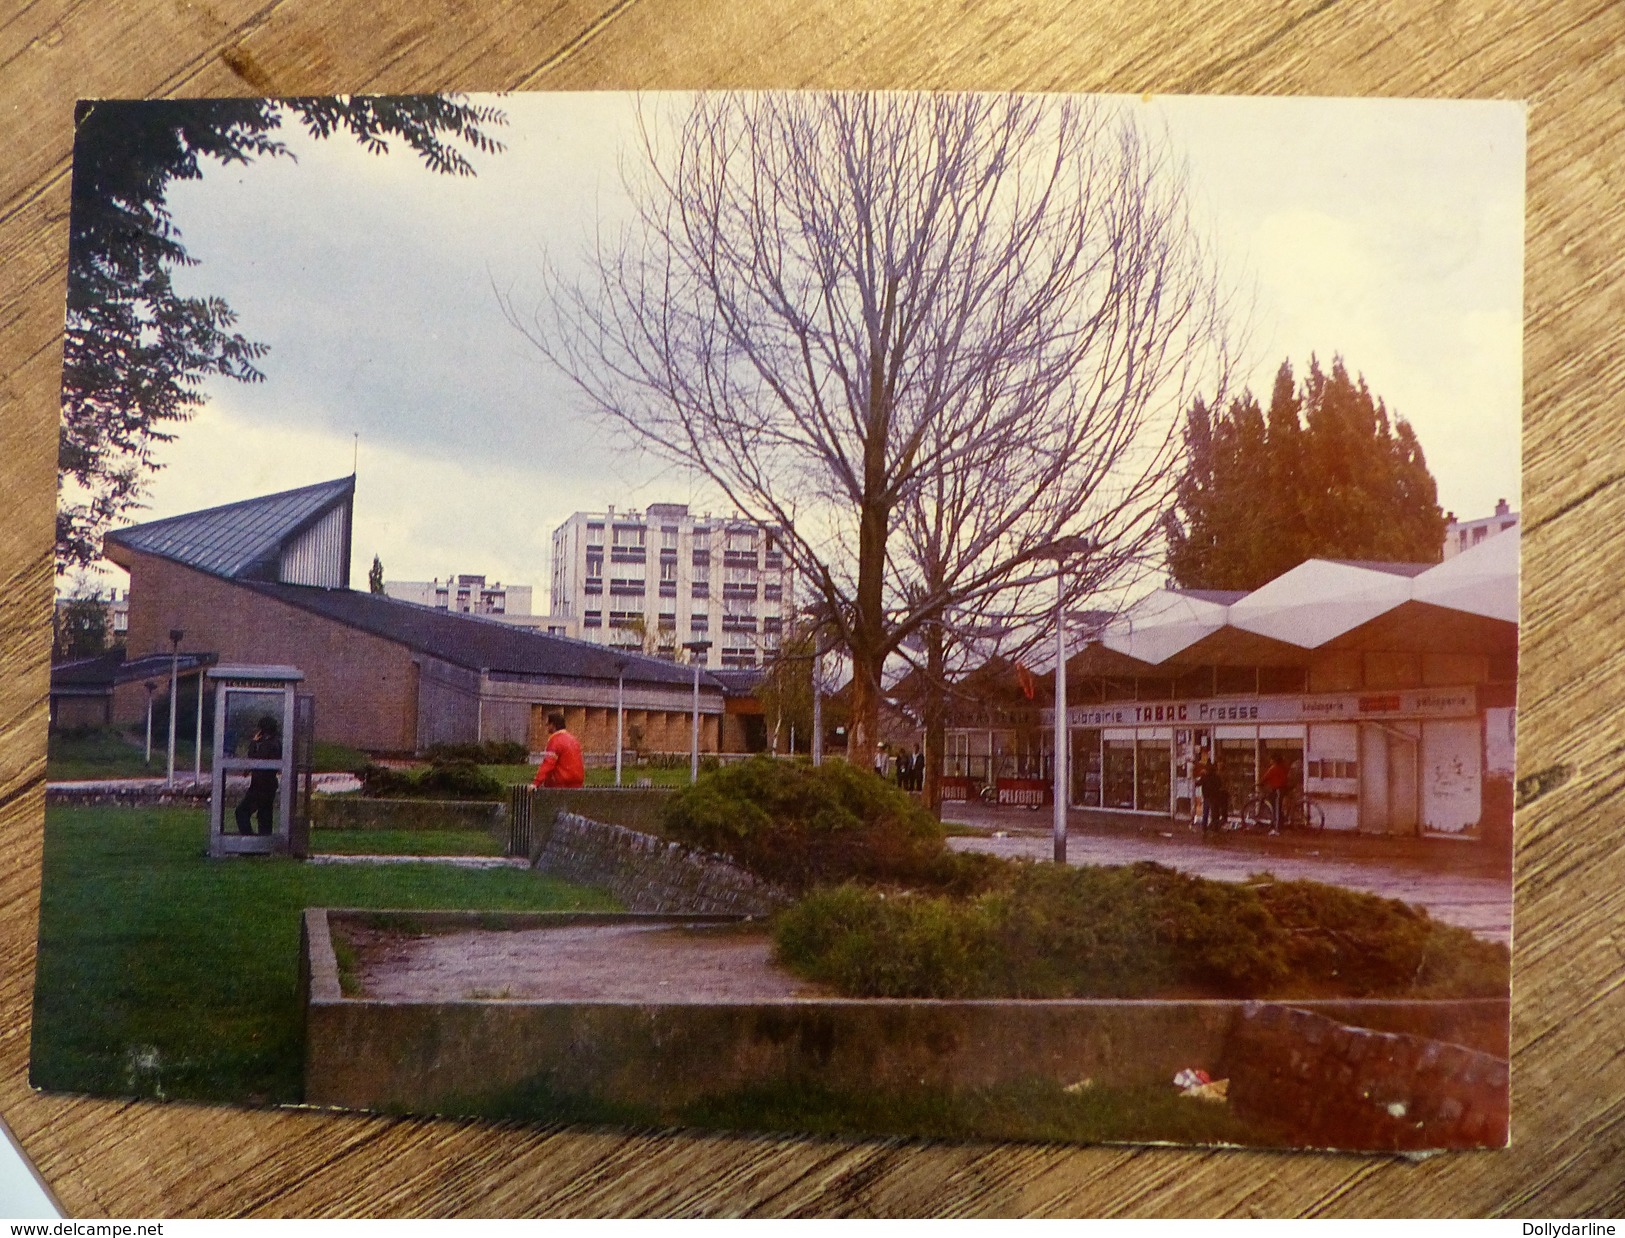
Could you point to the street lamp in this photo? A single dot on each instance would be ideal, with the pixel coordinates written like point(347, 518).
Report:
point(697, 648)
point(1060, 551)
point(175, 635)
point(817, 751)
point(620, 714)
point(152, 691)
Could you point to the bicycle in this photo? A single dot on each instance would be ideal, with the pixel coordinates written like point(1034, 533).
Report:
point(1298, 812)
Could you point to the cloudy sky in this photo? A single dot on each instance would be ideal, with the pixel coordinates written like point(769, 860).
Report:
point(1388, 231)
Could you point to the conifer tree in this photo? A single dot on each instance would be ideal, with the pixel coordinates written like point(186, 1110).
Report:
point(1327, 473)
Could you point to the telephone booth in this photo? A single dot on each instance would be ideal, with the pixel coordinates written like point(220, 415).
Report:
point(260, 722)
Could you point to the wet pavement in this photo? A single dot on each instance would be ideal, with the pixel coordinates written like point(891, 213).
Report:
point(1459, 882)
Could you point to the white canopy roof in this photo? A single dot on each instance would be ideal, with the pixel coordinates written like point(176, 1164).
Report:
point(1320, 600)
point(1163, 623)
point(1480, 581)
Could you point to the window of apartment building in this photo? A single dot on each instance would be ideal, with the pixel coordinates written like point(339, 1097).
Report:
point(628, 535)
point(668, 537)
point(702, 539)
point(624, 618)
point(701, 589)
point(592, 619)
point(626, 587)
point(742, 539)
point(595, 532)
point(595, 562)
point(772, 592)
point(668, 622)
point(700, 620)
point(668, 569)
point(702, 571)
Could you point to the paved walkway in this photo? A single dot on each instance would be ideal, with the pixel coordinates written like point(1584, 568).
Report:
point(454, 861)
point(1455, 882)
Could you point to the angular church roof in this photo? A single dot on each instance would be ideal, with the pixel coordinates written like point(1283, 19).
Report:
point(241, 541)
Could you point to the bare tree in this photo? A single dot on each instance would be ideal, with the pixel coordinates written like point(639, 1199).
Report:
point(971, 320)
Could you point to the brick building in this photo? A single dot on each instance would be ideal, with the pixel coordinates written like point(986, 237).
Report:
point(266, 581)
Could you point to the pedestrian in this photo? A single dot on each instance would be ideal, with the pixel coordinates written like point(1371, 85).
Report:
point(916, 770)
point(260, 802)
point(1215, 797)
point(1274, 783)
point(562, 764)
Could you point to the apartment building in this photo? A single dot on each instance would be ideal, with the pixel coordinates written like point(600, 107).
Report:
point(1460, 535)
point(469, 595)
point(657, 579)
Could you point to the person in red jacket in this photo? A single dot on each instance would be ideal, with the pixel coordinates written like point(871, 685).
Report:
point(561, 765)
point(1275, 782)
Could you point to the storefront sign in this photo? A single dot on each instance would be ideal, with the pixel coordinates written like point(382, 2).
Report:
point(1339, 707)
point(1031, 792)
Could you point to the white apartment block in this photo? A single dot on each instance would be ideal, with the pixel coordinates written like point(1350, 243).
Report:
point(469, 595)
point(1460, 535)
point(661, 578)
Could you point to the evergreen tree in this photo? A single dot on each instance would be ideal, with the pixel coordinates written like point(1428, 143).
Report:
point(1326, 473)
point(375, 577)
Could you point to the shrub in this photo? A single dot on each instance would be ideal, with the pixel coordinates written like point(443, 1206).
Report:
point(443, 780)
point(486, 752)
point(800, 826)
point(1051, 931)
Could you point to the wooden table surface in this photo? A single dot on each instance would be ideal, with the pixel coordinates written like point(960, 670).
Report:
point(1568, 1035)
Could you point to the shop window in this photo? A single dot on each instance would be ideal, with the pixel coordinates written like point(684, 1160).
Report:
point(1086, 768)
point(1117, 773)
point(1282, 680)
point(1235, 680)
point(1238, 766)
point(1153, 776)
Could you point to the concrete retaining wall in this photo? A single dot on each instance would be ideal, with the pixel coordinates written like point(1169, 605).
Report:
point(650, 874)
point(354, 812)
point(532, 811)
point(457, 1057)
point(1350, 1087)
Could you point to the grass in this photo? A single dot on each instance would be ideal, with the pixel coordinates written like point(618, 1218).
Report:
point(165, 974)
point(109, 752)
point(403, 842)
point(1031, 1110)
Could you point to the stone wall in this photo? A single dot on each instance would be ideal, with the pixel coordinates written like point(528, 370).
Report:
point(149, 795)
point(650, 874)
point(532, 810)
point(1337, 1086)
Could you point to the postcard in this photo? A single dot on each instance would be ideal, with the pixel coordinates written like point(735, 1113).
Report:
point(970, 616)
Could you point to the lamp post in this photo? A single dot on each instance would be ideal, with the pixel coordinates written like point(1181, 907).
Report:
point(197, 740)
point(818, 709)
point(175, 635)
point(697, 648)
point(152, 691)
point(620, 714)
point(1061, 550)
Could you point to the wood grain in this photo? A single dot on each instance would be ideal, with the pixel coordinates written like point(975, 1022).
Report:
point(1566, 58)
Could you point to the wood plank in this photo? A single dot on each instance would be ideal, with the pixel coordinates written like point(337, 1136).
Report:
point(1567, 58)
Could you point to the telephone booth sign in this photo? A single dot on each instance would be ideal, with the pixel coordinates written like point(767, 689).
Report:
point(255, 711)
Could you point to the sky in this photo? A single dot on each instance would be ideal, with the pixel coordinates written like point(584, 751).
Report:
point(1387, 231)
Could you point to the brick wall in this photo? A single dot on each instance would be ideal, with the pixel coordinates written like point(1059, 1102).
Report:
point(365, 687)
point(650, 874)
point(1336, 1086)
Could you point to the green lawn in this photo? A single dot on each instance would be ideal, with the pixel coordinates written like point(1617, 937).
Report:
point(163, 973)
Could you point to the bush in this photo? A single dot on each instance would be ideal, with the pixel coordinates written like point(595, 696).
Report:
point(800, 826)
point(486, 752)
point(443, 780)
point(1050, 931)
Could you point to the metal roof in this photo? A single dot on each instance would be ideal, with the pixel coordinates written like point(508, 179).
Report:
point(476, 643)
point(240, 540)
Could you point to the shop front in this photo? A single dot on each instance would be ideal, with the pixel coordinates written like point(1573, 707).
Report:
point(1403, 762)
